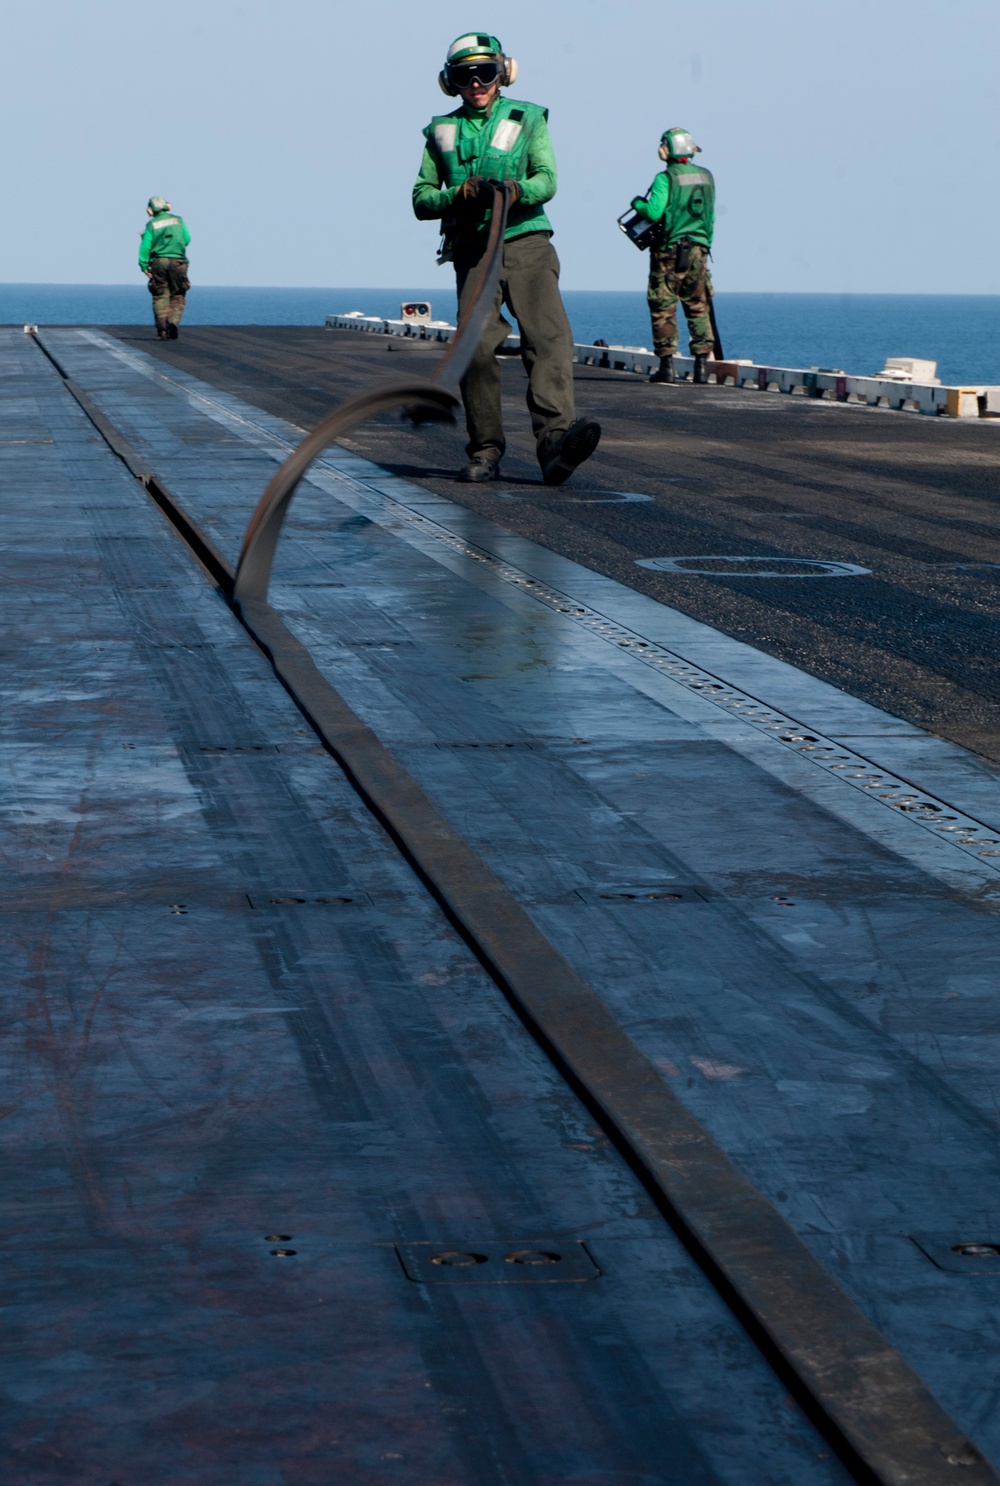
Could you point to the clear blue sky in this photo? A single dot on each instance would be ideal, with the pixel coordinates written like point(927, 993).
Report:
point(854, 141)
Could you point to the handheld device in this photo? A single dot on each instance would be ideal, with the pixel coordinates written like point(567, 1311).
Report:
point(637, 229)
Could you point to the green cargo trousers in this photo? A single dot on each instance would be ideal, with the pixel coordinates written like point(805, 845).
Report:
point(693, 287)
point(529, 287)
point(168, 284)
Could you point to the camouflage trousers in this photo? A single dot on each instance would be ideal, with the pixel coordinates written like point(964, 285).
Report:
point(168, 284)
point(693, 287)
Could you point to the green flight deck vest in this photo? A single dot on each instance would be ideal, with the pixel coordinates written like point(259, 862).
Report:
point(165, 236)
point(498, 151)
point(690, 210)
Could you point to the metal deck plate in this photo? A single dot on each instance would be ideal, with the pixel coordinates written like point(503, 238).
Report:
point(194, 1084)
point(826, 1005)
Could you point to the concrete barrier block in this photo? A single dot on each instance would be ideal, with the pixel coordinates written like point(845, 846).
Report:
point(881, 392)
point(963, 402)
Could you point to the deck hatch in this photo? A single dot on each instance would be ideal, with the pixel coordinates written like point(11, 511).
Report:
point(641, 892)
point(970, 1254)
point(536, 1261)
point(303, 898)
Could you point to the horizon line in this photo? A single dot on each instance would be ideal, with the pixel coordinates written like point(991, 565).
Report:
point(423, 289)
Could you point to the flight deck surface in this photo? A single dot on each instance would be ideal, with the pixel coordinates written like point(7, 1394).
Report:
point(713, 471)
point(239, 1025)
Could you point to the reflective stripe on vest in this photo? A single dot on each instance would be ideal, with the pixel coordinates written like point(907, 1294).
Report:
point(696, 178)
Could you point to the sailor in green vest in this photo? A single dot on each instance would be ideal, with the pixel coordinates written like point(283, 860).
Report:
point(681, 201)
point(491, 138)
point(163, 259)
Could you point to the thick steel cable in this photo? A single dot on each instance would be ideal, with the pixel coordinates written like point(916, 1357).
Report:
point(435, 398)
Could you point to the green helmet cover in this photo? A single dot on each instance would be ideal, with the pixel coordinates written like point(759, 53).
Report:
point(158, 204)
point(680, 145)
point(472, 46)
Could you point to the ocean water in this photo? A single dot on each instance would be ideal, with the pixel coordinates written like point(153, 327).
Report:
point(852, 332)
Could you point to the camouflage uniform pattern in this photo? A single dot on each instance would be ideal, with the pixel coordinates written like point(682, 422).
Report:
point(693, 287)
point(168, 284)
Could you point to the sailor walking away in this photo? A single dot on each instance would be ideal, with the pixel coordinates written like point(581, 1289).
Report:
point(681, 202)
point(163, 259)
point(495, 139)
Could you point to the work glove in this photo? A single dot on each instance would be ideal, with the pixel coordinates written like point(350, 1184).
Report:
point(638, 202)
point(514, 192)
point(470, 193)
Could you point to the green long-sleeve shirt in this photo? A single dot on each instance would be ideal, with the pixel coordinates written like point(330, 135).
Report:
point(166, 236)
point(433, 199)
point(654, 205)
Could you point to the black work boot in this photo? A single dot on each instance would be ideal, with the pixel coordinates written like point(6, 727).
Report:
point(162, 333)
point(480, 468)
point(173, 331)
point(570, 449)
point(665, 371)
point(701, 370)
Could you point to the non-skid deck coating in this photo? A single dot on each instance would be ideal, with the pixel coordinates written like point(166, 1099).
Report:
point(202, 1072)
point(684, 470)
point(195, 1066)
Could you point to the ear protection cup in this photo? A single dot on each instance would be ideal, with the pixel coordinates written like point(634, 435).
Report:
point(445, 86)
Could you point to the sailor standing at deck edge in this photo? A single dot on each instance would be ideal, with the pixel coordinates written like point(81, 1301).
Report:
point(494, 139)
point(681, 204)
